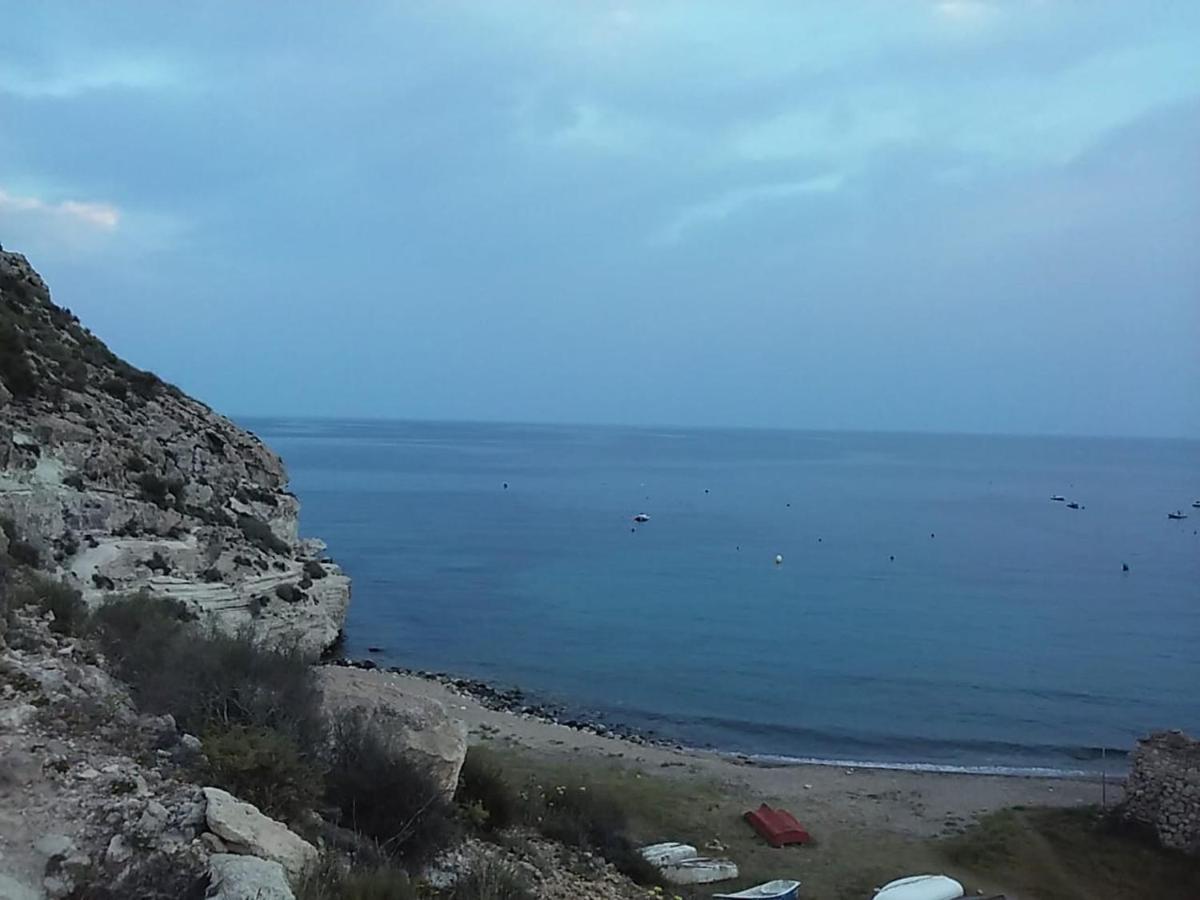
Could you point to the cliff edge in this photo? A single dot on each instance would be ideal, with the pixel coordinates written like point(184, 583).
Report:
point(115, 481)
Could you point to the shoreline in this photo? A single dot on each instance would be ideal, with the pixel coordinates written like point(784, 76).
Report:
point(515, 702)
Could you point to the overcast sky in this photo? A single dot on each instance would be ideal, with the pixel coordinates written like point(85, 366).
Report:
point(900, 215)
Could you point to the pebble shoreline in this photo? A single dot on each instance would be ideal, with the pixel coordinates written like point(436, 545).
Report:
point(516, 702)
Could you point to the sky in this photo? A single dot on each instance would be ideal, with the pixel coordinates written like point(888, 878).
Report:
point(930, 215)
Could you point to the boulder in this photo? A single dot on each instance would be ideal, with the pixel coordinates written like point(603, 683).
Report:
point(420, 725)
point(246, 831)
point(11, 889)
point(234, 877)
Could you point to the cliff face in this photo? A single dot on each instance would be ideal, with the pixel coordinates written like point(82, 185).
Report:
point(116, 481)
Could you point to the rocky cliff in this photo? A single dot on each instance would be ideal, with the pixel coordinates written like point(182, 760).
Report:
point(116, 481)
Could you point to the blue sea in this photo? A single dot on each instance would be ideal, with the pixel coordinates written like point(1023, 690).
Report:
point(934, 607)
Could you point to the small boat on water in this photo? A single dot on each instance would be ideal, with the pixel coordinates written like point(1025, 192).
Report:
point(641, 517)
point(921, 887)
point(1196, 504)
point(1178, 514)
point(1072, 505)
point(780, 889)
point(701, 870)
point(1058, 498)
point(667, 852)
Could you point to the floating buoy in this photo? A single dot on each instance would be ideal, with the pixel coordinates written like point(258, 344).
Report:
point(779, 559)
point(506, 485)
point(1124, 567)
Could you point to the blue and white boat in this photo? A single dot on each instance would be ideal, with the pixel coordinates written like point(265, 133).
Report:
point(771, 890)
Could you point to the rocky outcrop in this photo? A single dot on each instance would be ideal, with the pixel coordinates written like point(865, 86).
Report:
point(90, 791)
point(421, 726)
point(246, 831)
point(1162, 792)
point(117, 481)
point(233, 877)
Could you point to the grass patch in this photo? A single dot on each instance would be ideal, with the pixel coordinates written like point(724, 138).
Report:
point(330, 879)
point(492, 803)
point(1070, 854)
point(491, 880)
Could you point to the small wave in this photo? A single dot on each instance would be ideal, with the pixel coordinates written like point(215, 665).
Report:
point(769, 760)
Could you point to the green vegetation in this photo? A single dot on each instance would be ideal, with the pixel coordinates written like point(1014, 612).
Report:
point(259, 533)
point(381, 795)
point(65, 602)
point(491, 801)
point(264, 767)
point(15, 370)
point(491, 880)
point(330, 879)
point(20, 551)
point(1070, 854)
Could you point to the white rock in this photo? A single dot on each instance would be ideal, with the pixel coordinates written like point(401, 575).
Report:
point(11, 889)
point(421, 726)
point(54, 846)
point(236, 877)
point(17, 717)
point(247, 831)
point(118, 851)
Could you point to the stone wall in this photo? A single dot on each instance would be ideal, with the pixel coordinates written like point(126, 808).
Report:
point(1163, 789)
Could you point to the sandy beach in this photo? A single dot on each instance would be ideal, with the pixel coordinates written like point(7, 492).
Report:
point(911, 803)
point(878, 820)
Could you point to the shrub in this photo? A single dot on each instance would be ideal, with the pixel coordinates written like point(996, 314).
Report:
point(491, 880)
point(383, 795)
point(20, 551)
point(211, 575)
point(330, 879)
point(157, 563)
point(115, 387)
point(264, 767)
point(57, 597)
point(15, 369)
point(135, 463)
point(208, 680)
point(75, 480)
point(259, 533)
point(581, 816)
point(154, 489)
point(289, 593)
point(483, 787)
point(157, 876)
point(314, 570)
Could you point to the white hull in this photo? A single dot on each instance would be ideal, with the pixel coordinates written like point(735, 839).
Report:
point(921, 887)
point(700, 871)
point(670, 852)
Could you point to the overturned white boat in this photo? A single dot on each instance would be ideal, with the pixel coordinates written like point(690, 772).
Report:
point(667, 852)
point(780, 889)
point(921, 887)
point(701, 870)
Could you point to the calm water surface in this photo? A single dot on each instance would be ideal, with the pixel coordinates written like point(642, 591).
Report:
point(933, 606)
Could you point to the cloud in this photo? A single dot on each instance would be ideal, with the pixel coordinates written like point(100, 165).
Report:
point(731, 203)
point(66, 82)
point(101, 216)
point(56, 229)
